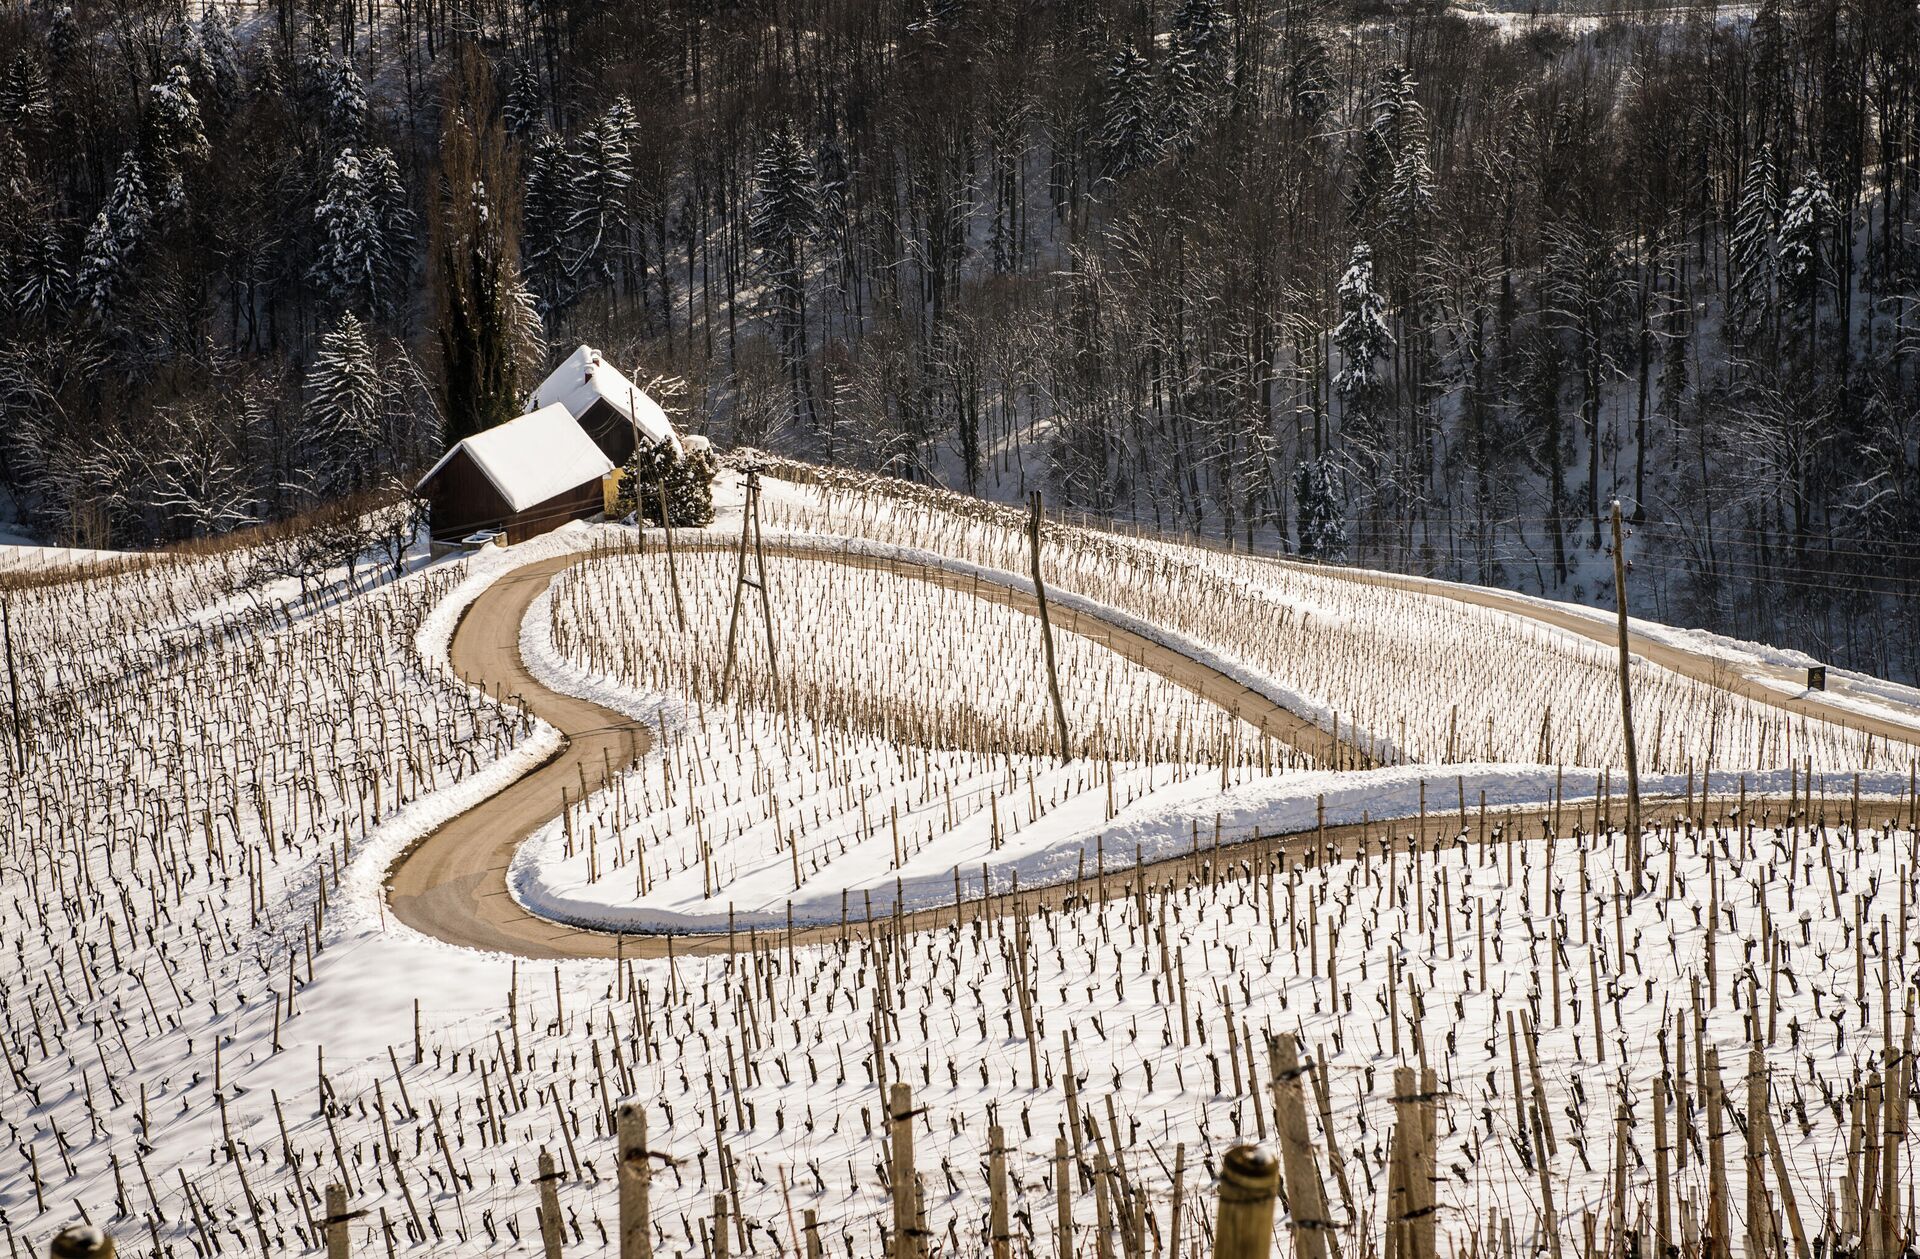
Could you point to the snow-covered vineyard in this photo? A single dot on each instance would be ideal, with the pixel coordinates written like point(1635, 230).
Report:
point(1441, 997)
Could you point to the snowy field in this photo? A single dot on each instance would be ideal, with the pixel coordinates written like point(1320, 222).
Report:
point(210, 1016)
point(910, 732)
point(1413, 676)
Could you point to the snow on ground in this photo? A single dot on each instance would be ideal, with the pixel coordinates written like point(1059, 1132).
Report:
point(907, 747)
point(20, 554)
point(1424, 678)
point(910, 732)
point(119, 614)
point(1164, 1003)
point(1779, 669)
point(1516, 21)
point(209, 1017)
point(171, 827)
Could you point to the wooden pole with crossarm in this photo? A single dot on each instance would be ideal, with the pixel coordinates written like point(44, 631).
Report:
point(750, 539)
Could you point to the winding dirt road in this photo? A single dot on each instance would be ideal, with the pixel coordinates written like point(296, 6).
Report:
point(453, 884)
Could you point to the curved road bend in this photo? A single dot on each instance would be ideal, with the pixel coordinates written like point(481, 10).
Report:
point(452, 884)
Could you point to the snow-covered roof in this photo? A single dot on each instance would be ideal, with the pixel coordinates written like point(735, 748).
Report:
point(585, 378)
point(532, 458)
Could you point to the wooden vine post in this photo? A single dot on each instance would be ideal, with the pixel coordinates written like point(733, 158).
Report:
point(1046, 625)
point(81, 1241)
point(1410, 1194)
point(1626, 709)
point(13, 677)
point(906, 1235)
point(1249, 1179)
point(1306, 1196)
point(1002, 1236)
point(1063, 1202)
point(636, 1182)
point(549, 1206)
point(338, 1246)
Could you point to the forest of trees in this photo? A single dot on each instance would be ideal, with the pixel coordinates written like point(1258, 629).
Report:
point(1379, 283)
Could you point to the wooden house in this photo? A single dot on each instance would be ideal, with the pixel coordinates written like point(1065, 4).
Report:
point(611, 408)
point(520, 478)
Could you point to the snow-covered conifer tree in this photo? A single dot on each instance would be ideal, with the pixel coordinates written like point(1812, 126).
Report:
point(346, 100)
point(1129, 135)
point(25, 103)
point(525, 105)
point(40, 276)
point(785, 214)
point(114, 240)
point(176, 133)
point(1361, 336)
point(1803, 223)
point(1410, 194)
point(1316, 496)
point(544, 215)
point(598, 216)
point(339, 93)
point(344, 401)
point(785, 190)
point(33, 267)
point(219, 54)
point(784, 219)
point(347, 265)
point(366, 240)
point(690, 487)
point(1398, 124)
point(394, 227)
point(1195, 70)
point(1755, 220)
point(184, 47)
point(686, 477)
point(63, 34)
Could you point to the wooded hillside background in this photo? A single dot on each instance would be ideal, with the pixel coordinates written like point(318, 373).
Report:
point(1384, 283)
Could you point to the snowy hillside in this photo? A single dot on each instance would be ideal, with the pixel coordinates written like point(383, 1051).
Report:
point(257, 836)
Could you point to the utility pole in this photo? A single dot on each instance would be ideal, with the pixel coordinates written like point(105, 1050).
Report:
point(1626, 709)
point(673, 572)
point(1046, 626)
point(639, 516)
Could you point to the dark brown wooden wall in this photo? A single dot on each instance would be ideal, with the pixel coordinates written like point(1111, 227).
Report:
point(576, 504)
point(460, 500)
point(610, 430)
